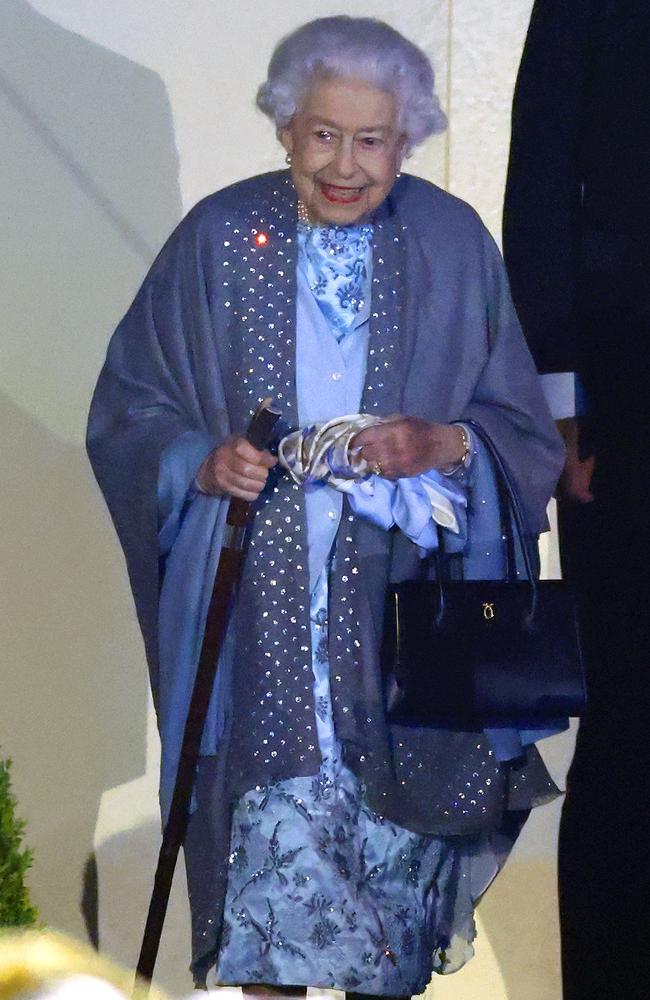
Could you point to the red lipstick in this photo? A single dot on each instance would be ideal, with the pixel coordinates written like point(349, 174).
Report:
point(341, 195)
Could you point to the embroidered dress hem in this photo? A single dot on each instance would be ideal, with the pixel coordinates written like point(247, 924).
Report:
point(324, 893)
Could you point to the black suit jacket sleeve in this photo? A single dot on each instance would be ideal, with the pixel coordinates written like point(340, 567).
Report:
point(543, 191)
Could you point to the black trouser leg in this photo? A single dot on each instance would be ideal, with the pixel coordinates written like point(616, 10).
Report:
point(604, 872)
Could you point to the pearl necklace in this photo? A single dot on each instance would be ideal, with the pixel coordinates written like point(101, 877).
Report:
point(303, 214)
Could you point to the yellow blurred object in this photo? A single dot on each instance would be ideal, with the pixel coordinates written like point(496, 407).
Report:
point(31, 959)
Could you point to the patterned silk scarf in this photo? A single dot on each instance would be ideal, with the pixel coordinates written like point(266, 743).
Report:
point(338, 260)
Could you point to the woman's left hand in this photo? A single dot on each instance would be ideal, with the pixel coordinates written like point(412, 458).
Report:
point(407, 446)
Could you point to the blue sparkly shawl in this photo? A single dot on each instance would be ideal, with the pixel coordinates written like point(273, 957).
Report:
point(211, 331)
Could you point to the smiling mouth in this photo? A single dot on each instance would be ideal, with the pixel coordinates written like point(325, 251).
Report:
point(341, 195)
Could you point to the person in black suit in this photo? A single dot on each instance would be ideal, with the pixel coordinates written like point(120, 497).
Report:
point(577, 247)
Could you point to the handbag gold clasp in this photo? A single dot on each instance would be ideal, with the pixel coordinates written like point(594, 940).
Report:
point(488, 611)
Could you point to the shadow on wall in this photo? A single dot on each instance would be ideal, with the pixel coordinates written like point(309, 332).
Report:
point(88, 193)
point(122, 924)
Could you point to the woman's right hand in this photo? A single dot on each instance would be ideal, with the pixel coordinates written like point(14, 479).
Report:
point(235, 469)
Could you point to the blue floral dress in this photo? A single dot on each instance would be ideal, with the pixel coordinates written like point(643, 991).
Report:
point(321, 890)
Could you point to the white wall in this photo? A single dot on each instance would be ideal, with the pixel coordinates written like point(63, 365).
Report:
point(118, 115)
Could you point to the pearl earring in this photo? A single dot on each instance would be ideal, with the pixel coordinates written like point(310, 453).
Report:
point(287, 159)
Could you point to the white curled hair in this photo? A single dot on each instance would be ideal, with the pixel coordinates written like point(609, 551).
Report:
point(358, 47)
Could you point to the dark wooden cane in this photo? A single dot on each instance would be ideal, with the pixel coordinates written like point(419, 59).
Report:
point(227, 576)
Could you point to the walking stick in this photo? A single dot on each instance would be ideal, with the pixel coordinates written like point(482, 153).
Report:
point(228, 572)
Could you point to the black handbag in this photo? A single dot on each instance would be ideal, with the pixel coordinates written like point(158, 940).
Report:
point(476, 653)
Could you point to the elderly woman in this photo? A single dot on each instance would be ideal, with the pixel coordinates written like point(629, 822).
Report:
point(326, 847)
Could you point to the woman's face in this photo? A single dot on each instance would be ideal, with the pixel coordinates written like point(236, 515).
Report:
point(345, 148)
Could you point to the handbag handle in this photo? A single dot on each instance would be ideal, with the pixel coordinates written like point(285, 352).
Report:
point(508, 502)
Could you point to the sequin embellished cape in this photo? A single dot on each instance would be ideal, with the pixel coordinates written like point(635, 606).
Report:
point(211, 331)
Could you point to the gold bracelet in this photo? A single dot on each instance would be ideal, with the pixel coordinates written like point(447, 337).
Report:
point(462, 462)
point(466, 443)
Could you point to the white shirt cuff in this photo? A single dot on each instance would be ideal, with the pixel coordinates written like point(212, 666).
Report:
point(559, 389)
